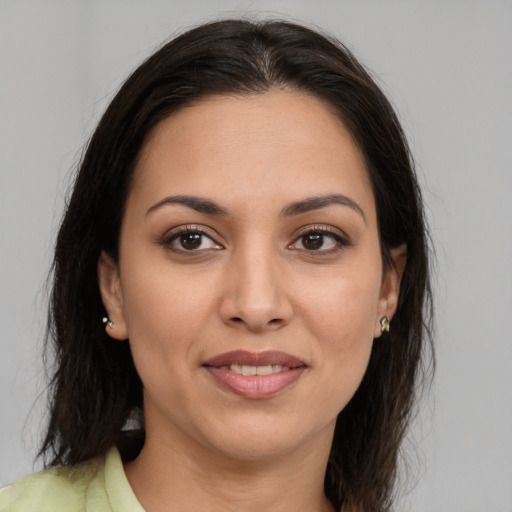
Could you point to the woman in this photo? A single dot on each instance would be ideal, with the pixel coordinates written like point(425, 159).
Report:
point(244, 227)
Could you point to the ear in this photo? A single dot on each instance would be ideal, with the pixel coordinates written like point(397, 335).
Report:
point(390, 287)
point(112, 296)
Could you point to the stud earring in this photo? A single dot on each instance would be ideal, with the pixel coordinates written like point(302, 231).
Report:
point(106, 320)
point(384, 324)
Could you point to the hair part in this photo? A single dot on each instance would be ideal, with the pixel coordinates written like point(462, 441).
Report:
point(95, 386)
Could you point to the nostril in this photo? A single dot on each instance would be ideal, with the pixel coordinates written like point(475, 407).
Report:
point(239, 320)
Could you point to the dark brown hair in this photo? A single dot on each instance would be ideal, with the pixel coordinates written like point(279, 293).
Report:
point(95, 386)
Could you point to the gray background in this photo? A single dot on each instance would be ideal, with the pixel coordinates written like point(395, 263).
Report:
point(446, 66)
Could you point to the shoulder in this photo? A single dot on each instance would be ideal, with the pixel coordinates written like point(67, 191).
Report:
point(99, 484)
point(63, 489)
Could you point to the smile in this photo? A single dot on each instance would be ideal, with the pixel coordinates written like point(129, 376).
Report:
point(256, 370)
point(255, 375)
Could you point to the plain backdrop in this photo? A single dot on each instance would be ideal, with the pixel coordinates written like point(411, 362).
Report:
point(446, 65)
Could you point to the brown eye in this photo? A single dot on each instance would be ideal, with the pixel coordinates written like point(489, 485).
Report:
point(313, 241)
point(319, 240)
point(190, 241)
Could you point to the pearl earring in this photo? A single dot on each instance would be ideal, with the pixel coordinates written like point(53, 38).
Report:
point(106, 320)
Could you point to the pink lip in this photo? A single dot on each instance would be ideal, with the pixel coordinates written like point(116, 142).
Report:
point(255, 386)
point(255, 359)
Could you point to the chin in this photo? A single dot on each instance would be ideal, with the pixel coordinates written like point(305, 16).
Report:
point(261, 441)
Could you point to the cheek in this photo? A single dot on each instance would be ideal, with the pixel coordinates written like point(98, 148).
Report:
point(164, 326)
point(343, 307)
point(345, 334)
point(164, 312)
point(342, 319)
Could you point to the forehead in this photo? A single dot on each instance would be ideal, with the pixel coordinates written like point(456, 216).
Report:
point(250, 147)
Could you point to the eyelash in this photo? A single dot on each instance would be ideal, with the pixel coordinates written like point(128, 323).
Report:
point(178, 232)
point(340, 240)
point(170, 237)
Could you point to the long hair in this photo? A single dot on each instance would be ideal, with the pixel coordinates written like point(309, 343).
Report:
point(95, 386)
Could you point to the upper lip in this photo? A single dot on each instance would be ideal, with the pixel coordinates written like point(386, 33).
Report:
point(244, 357)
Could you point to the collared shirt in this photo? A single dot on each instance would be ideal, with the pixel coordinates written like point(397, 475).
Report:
point(99, 485)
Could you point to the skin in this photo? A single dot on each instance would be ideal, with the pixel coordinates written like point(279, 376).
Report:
point(253, 284)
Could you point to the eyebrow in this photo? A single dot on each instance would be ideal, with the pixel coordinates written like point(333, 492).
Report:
point(196, 203)
point(318, 202)
point(208, 207)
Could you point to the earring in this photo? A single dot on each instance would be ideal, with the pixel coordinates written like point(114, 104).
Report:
point(384, 324)
point(106, 320)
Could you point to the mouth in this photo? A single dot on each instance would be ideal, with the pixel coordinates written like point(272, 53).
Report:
point(255, 375)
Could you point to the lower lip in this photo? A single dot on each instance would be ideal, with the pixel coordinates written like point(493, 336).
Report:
point(255, 386)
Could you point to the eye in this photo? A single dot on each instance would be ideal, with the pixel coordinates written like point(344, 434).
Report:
point(189, 239)
point(319, 240)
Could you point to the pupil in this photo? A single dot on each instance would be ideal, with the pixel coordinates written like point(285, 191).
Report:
point(313, 241)
point(190, 240)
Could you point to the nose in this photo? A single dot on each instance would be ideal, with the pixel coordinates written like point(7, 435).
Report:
point(255, 296)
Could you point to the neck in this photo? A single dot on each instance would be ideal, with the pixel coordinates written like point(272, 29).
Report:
point(175, 476)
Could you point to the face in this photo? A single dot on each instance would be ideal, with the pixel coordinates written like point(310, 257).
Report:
point(249, 282)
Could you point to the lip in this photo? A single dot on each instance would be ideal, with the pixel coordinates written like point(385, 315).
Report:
point(244, 357)
point(255, 386)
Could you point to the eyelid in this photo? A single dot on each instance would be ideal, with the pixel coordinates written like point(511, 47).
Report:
point(320, 228)
point(341, 238)
point(176, 231)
